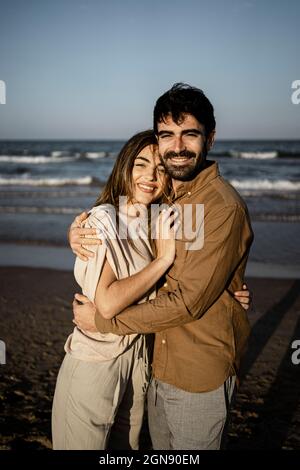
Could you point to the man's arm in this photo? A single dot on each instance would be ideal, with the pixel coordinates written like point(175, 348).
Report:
point(206, 274)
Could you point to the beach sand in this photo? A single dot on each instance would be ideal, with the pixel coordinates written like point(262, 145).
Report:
point(35, 318)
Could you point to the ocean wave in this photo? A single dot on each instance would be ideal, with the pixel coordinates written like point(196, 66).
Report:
point(49, 192)
point(61, 156)
point(40, 210)
point(294, 196)
point(94, 155)
point(84, 181)
point(55, 157)
point(278, 185)
point(37, 160)
point(275, 217)
point(254, 155)
point(112, 154)
point(59, 153)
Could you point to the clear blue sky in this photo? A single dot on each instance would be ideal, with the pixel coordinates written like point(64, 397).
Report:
point(93, 68)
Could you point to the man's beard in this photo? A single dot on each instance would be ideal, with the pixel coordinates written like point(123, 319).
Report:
point(185, 172)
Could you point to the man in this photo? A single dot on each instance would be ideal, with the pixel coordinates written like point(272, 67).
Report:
point(201, 330)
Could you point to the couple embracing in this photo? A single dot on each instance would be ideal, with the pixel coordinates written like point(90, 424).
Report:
point(136, 281)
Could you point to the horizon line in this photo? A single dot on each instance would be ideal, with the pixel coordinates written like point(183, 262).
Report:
point(265, 139)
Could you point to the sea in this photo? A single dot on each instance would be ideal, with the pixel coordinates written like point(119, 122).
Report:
point(45, 184)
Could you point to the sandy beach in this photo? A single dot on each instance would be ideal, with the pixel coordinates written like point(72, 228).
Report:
point(36, 318)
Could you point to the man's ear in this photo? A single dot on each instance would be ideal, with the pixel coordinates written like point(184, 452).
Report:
point(211, 139)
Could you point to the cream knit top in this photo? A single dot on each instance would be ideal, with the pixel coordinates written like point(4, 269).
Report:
point(124, 261)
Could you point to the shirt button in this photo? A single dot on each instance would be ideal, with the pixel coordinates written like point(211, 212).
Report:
point(189, 193)
point(165, 284)
point(163, 341)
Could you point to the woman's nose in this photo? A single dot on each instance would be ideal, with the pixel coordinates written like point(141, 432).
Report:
point(151, 174)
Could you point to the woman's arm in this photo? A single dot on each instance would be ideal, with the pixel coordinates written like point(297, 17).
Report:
point(114, 295)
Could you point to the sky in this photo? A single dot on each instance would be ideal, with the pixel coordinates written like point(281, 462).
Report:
point(93, 69)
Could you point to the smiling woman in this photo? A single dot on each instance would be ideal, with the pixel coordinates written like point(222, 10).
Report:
point(107, 375)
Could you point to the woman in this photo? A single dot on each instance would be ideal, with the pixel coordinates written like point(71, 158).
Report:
point(102, 382)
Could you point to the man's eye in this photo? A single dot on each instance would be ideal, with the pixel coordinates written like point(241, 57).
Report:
point(192, 134)
point(165, 136)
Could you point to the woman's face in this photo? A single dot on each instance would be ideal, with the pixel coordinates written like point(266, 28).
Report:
point(148, 176)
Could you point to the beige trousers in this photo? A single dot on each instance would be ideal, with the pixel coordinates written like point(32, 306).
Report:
point(100, 405)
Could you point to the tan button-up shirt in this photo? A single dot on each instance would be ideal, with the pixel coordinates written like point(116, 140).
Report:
point(201, 330)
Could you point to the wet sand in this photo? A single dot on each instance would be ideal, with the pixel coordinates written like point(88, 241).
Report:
point(35, 319)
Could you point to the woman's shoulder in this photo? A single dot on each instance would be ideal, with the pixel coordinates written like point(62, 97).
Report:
point(102, 216)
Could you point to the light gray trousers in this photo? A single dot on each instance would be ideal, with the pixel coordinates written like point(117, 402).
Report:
point(101, 404)
point(180, 420)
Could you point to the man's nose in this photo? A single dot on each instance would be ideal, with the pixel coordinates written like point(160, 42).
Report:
point(178, 144)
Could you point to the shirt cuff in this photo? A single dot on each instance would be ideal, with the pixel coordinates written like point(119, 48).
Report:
point(103, 325)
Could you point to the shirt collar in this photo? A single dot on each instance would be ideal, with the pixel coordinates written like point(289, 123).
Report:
point(187, 188)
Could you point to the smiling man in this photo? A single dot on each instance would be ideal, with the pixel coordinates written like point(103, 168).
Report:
point(183, 147)
point(200, 330)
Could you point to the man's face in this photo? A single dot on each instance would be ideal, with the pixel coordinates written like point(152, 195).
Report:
point(183, 147)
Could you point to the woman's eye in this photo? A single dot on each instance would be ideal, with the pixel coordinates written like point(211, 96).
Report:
point(139, 164)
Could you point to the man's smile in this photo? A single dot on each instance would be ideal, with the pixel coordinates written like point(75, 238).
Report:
point(179, 160)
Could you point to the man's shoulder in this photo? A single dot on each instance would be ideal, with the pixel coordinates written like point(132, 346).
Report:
point(225, 195)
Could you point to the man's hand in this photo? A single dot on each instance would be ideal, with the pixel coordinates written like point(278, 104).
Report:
point(84, 313)
point(244, 297)
point(79, 236)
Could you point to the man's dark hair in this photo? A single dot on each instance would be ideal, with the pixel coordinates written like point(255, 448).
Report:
point(184, 99)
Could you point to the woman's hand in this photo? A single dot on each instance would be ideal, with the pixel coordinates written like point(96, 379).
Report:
point(166, 227)
point(79, 236)
point(84, 313)
point(244, 297)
